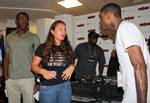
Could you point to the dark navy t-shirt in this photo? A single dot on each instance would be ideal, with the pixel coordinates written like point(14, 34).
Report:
point(86, 67)
point(55, 61)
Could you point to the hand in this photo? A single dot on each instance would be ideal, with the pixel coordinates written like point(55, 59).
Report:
point(47, 74)
point(5, 77)
point(68, 72)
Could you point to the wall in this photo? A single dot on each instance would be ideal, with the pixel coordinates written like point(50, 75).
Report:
point(43, 26)
point(140, 15)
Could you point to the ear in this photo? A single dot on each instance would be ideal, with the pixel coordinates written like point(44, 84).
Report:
point(52, 31)
point(16, 22)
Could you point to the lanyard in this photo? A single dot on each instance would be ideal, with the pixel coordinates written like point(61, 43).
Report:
point(90, 51)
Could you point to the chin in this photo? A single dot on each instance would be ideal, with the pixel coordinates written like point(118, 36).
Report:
point(61, 39)
point(106, 27)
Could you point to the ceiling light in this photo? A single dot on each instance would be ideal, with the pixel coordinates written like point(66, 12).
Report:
point(70, 3)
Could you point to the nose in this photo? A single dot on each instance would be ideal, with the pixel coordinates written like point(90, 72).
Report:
point(22, 21)
point(64, 32)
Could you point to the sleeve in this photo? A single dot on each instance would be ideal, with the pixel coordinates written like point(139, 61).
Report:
point(101, 56)
point(129, 35)
point(39, 51)
point(76, 52)
point(36, 42)
point(7, 47)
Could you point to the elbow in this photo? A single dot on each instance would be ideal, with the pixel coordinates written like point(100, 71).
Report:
point(35, 68)
point(32, 67)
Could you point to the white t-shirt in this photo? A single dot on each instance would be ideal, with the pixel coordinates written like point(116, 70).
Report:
point(128, 35)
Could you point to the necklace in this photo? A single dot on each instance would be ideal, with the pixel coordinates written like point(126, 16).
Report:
point(90, 54)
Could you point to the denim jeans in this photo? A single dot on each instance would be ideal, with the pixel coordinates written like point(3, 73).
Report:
point(60, 93)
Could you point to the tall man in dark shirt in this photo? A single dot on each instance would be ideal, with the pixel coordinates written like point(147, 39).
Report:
point(88, 54)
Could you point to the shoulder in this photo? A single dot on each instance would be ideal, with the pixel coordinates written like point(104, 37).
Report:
point(10, 35)
point(127, 30)
point(127, 24)
point(39, 51)
point(32, 35)
point(99, 48)
point(42, 46)
point(82, 44)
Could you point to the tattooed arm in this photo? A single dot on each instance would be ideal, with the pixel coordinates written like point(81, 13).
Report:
point(140, 72)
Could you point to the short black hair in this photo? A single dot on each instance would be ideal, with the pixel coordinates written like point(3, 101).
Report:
point(93, 34)
point(114, 8)
point(23, 13)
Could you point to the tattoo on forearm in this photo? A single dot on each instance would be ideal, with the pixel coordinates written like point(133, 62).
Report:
point(141, 84)
point(140, 71)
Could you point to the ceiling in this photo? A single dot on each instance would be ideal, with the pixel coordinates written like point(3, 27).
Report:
point(49, 8)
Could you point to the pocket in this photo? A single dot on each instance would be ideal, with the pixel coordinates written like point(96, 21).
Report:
point(7, 82)
point(43, 88)
point(67, 84)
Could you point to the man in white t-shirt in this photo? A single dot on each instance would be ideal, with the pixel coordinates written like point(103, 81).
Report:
point(132, 53)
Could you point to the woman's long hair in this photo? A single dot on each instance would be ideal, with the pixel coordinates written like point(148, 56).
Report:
point(50, 45)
